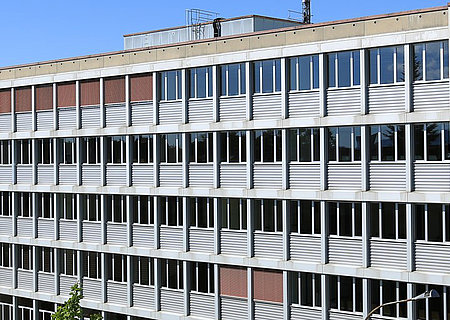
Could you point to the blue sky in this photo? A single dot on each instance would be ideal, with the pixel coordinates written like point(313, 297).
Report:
point(33, 30)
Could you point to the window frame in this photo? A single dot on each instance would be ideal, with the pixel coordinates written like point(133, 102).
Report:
point(165, 274)
point(225, 80)
point(396, 143)
point(21, 146)
point(21, 265)
point(110, 263)
point(225, 147)
point(315, 205)
point(225, 216)
point(355, 294)
point(6, 203)
point(86, 199)
point(5, 155)
point(137, 213)
point(92, 260)
point(164, 150)
point(113, 151)
point(6, 255)
point(296, 283)
point(194, 268)
point(313, 65)
point(381, 283)
point(397, 224)
point(444, 220)
point(338, 218)
point(46, 253)
point(276, 206)
point(21, 204)
point(444, 129)
point(353, 138)
point(136, 158)
point(258, 75)
point(41, 206)
point(336, 69)
point(193, 75)
point(44, 148)
point(276, 135)
point(395, 61)
point(111, 214)
point(87, 144)
point(164, 216)
point(64, 262)
point(193, 147)
point(163, 88)
point(194, 212)
point(137, 262)
point(64, 157)
point(423, 62)
point(314, 147)
point(63, 199)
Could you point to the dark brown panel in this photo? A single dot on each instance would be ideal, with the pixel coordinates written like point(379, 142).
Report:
point(233, 282)
point(268, 285)
point(141, 87)
point(23, 99)
point(90, 92)
point(5, 101)
point(44, 97)
point(66, 94)
point(114, 90)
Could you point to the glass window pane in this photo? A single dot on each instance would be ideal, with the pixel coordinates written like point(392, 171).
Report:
point(374, 220)
point(256, 77)
point(306, 294)
point(401, 143)
point(387, 64)
point(356, 68)
point(447, 140)
point(418, 62)
point(293, 74)
point(373, 145)
point(332, 282)
point(268, 146)
point(388, 220)
point(171, 85)
point(418, 142)
point(345, 219)
point(356, 143)
point(304, 73)
point(400, 64)
point(389, 294)
point(305, 145)
point(223, 80)
point(332, 214)
point(243, 81)
point(315, 71)
point(234, 146)
point(269, 217)
point(435, 222)
point(192, 83)
point(234, 216)
point(401, 221)
point(332, 144)
point(387, 143)
point(201, 82)
point(292, 144)
point(345, 144)
point(257, 146)
point(294, 216)
point(305, 217)
point(373, 70)
point(233, 79)
point(171, 148)
point(344, 69)
point(267, 76)
point(316, 147)
point(434, 151)
point(420, 221)
point(277, 75)
point(201, 148)
point(445, 44)
point(317, 225)
point(433, 60)
point(346, 293)
point(332, 70)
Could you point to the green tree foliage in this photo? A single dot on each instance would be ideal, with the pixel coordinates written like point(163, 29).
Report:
point(71, 310)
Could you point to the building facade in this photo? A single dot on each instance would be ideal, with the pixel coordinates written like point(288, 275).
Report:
point(297, 173)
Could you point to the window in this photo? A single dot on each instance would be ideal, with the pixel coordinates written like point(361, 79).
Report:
point(345, 219)
point(234, 214)
point(68, 262)
point(267, 285)
point(25, 259)
point(44, 205)
point(45, 259)
point(25, 309)
point(91, 150)
point(92, 206)
point(201, 212)
point(388, 220)
point(143, 209)
point(116, 208)
point(306, 289)
point(233, 281)
point(202, 277)
point(268, 146)
point(5, 152)
point(304, 73)
point(44, 151)
point(387, 65)
point(171, 211)
point(383, 291)
point(6, 307)
point(46, 309)
point(24, 200)
point(116, 149)
point(345, 293)
point(5, 255)
point(233, 79)
point(23, 151)
point(233, 147)
point(143, 270)
point(171, 274)
point(143, 149)
point(430, 61)
point(92, 265)
point(432, 141)
point(170, 84)
point(387, 143)
point(304, 145)
point(267, 76)
point(305, 217)
point(116, 267)
point(67, 150)
point(200, 82)
point(68, 206)
point(432, 222)
point(343, 69)
point(344, 144)
point(171, 148)
point(268, 215)
point(201, 147)
point(5, 201)
point(430, 309)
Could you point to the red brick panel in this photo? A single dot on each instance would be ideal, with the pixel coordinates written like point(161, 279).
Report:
point(141, 87)
point(233, 282)
point(66, 94)
point(115, 90)
point(23, 99)
point(5, 101)
point(90, 92)
point(44, 97)
point(268, 285)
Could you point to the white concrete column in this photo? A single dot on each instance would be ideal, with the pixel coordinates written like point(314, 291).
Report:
point(410, 236)
point(55, 109)
point(409, 150)
point(184, 96)
point(323, 159)
point(411, 307)
point(363, 81)
point(365, 234)
point(325, 294)
point(155, 97)
point(322, 86)
point(250, 292)
point(284, 160)
point(187, 290)
point(365, 158)
point(217, 216)
point(250, 227)
point(215, 93)
point(216, 160)
point(185, 159)
point(409, 69)
point(127, 101)
point(286, 229)
point(35, 309)
point(284, 89)
point(78, 103)
point(15, 315)
point(33, 108)
point(249, 157)
point(80, 268)
point(323, 233)
point(248, 90)
point(366, 297)
point(185, 224)
point(102, 103)
point(13, 110)
point(286, 300)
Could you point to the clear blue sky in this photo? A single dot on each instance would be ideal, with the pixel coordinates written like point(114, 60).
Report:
point(38, 30)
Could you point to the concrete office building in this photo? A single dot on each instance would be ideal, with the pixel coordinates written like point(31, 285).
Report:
point(301, 172)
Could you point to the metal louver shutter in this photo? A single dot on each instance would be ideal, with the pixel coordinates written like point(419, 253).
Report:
point(90, 92)
point(5, 101)
point(44, 97)
point(233, 282)
point(268, 285)
point(115, 90)
point(23, 99)
point(66, 94)
point(141, 87)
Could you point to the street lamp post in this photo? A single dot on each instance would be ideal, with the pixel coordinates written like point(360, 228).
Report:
point(426, 295)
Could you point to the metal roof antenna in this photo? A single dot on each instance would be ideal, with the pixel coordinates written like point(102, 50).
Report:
point(304, 16)
point(196, 20)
